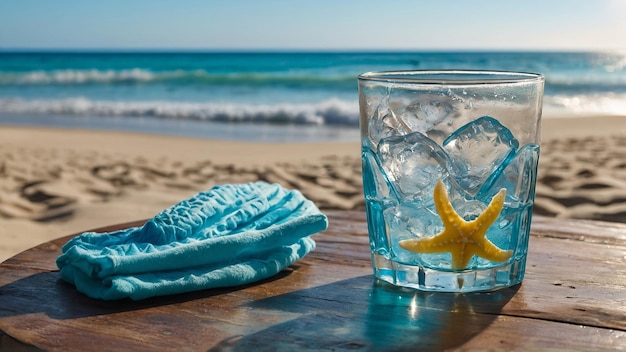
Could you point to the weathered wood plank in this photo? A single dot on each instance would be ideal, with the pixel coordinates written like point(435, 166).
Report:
point(573, 297)
point(582, 230)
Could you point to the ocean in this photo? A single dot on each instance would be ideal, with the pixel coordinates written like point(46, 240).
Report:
point(263, 96)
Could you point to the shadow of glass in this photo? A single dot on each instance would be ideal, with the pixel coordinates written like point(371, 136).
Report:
point(357, 313)
point(47, 293)
point(362, 313)
point(408, 320)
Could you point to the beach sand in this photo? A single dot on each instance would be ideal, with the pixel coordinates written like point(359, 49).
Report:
point(55, 182)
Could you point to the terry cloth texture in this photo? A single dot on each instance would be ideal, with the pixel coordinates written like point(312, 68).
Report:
point(230, 235)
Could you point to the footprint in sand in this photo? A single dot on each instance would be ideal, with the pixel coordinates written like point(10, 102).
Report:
point(35, 203)
point(583, 178)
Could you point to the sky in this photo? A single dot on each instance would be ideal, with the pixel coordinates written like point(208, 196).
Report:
point(313, 24)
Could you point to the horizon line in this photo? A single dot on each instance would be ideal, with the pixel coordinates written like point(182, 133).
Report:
point(300, 50)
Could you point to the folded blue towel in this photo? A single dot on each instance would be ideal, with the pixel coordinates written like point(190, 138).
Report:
point(228, 236)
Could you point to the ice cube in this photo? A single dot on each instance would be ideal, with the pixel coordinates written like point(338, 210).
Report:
point(384, 123)
point(518, 176)
point(413, 163)
point(478, 151)
point(375, 184)
point(410, 222)
point(422, 116)
point(468, 209)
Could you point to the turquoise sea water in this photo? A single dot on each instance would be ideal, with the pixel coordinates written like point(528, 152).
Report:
point(269, 96)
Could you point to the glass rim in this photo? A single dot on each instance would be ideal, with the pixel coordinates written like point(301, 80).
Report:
point(452, 77)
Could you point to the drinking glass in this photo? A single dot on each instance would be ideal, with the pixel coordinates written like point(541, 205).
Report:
point(449, 171)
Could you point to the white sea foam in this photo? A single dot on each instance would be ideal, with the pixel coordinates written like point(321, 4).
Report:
point(588, 104)
point(81, 76)
point(179, 76)
point(330, 112)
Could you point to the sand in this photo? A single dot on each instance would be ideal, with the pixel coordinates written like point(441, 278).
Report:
point(55, 182)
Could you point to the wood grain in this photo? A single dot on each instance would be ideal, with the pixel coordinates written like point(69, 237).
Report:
point(573, 298)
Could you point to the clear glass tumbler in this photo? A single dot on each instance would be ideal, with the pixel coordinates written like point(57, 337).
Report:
point(449, 172)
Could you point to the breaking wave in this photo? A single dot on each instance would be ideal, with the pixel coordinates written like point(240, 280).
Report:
point(175, 77)
point(329, 112)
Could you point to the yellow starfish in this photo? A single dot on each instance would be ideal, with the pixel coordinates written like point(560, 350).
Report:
point(463, 239)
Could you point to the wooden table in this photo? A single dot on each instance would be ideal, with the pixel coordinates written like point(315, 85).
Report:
point(573, 297)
